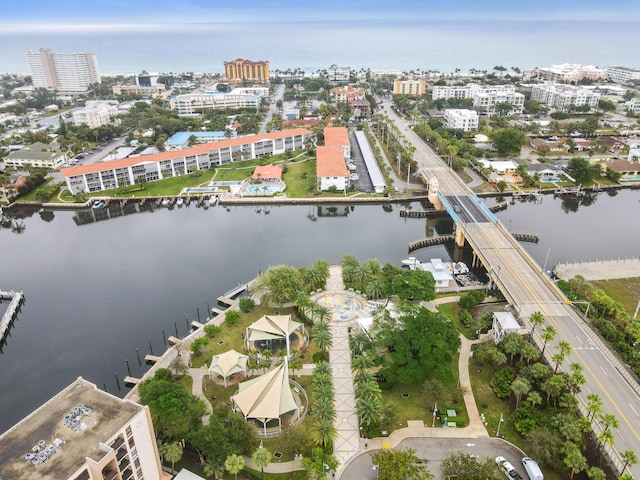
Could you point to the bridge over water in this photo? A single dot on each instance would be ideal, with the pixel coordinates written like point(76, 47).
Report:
point(528, 289)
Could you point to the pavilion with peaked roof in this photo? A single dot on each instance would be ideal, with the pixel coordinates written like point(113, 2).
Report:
point(267, 397)
point(228, 363)
point(272, 330)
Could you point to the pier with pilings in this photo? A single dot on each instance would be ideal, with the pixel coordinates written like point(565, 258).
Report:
point(16, 299)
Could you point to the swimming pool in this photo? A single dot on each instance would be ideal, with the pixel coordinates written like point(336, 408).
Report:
point(549, 180)
point(263, 188)
point(200, 190)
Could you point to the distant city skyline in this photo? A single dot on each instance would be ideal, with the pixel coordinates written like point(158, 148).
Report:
point(32, 13)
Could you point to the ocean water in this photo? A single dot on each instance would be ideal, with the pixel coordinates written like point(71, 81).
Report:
point(442, 45)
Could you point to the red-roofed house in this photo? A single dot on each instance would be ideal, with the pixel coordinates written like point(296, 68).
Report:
point(347, 94)
point(107, 175)
point(338, 136)
point(268, 173)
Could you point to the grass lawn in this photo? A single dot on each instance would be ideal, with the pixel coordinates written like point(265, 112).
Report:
point(300, 177)
point(49, 188)
point(623, 290)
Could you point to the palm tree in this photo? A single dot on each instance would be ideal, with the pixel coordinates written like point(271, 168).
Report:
point(594, 405)
point(628, 457)
point(323, 409)
point(233, 464)
point(173, 453)
point(361, 362)
point(548, 334)
point(534, 399)
point(519, 387)
point(322, 313)
point(322, 368)
point(374, 288)
point(367, 389)
point(321, 325)
point(267, 354)
point(605, 438)
point(212, 468)
point(557, 358)
point(574, 459)
point(609, 420)
point(323, 432)
point(303, 303)
point(535, 319)
point(369, 409)
point(322, 340)
point(261, 458)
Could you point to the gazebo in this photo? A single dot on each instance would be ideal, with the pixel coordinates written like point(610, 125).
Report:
point(503, 323)
point(266, 397)
point(228, 363)
point(270, 328)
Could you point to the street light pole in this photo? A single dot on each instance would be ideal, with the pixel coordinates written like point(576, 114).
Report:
point(499, 423)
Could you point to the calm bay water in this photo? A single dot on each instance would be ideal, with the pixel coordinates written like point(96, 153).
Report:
point(97, 292)
point(360, 43)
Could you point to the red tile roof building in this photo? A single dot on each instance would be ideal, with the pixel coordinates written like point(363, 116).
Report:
point(331, 167)
point(347, 94)
point(268, 173)
point(112, 174)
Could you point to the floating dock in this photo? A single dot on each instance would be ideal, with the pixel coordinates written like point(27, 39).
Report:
point(16, 301)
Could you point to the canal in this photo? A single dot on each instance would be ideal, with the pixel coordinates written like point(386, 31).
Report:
point(100, 292)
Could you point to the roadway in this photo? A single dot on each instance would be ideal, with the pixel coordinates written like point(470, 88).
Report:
point(528, 289)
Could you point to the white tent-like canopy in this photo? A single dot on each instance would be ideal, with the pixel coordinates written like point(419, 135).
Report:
point(503, 323)
point(228, 363)
point(272, 327)
point(266, 397)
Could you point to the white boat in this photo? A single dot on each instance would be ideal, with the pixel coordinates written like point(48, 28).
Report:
point(412, 262)
point(97, 205)
point(179, 201)
point(213, 200)
point(165, 201)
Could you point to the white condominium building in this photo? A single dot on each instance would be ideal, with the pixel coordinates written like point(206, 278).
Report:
point(338, 74)
point(563, 97)
point(566, 73)
point(95, 114)
point(484, 98)
point(195, 103)
point(415, 87)
point(461, 119)
point(622, 74)
point(65, 72)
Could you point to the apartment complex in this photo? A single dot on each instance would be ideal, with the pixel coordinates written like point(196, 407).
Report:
point(82, 433)
point(461, 119)
point(633, 106)
point(415, 87)
point(484, 97)
point(331, 159)
point(38, 155)
point(240, 70)
point(64, 72)
point(95, 113)
point(139, 90)
point(563, 97)
point(622, 74)
point(347, 94)
point(196, 103)
point(180, 140)
point(566, 73)
point(338, 74)
point(107, 175)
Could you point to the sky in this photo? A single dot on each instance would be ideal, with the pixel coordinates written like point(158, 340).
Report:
point(56, 12)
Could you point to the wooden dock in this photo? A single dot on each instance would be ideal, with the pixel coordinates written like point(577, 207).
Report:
point(16, 300)
point(130, 381)
point(151, 358)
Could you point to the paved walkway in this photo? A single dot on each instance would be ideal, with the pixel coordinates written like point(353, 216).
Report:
point(347, 442)
point(600, 269)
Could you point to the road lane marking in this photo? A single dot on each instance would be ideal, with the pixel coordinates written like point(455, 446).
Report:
point(634, 410)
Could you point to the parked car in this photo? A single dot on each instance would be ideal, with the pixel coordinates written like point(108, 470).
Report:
point(532, 469)
point(509, 471)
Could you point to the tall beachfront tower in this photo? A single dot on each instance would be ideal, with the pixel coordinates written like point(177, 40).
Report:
point(239, 70)
point(65, 72)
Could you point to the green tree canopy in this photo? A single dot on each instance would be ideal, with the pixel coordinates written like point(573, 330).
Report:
point(393, 464)
point(580, 169)
point(280, 284)
point(508, 141)
point(466, 467)
point(419, 342)
point(174, 411)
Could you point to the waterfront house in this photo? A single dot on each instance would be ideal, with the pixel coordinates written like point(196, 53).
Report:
point(267, 173)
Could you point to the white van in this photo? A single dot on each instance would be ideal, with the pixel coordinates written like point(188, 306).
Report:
point(532, 468)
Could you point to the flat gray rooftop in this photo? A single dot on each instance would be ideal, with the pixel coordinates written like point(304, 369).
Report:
point(108, 415)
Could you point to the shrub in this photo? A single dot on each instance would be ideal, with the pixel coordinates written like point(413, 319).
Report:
point(246, 304)
point(198, 344)
point(231, 317)
point(501, 382)
point(466, 319)
point(471, 299)
point(320, 357)
point(211, 330)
